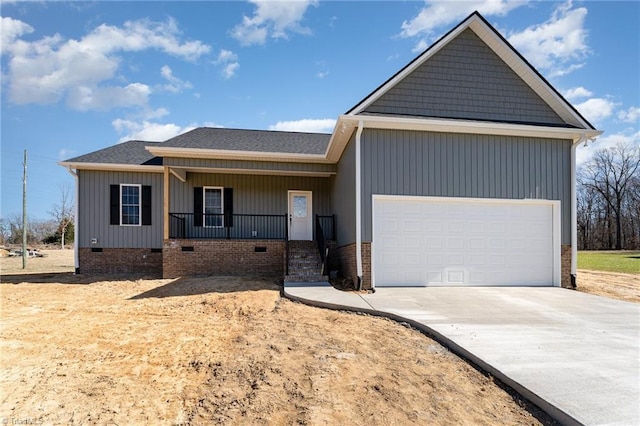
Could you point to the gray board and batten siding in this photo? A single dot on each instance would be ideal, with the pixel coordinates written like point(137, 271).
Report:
point(466, 80)
point(343, 193)
point(94, 211)
point(252, 194)
point(399, 162)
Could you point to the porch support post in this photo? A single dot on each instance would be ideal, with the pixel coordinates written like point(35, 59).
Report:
point(358, 209)
point(165, 203)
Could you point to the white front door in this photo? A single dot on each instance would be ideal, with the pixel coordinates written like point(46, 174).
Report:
point(300, 216)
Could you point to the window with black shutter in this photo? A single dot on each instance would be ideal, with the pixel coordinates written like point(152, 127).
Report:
point(130, 204)
point(213, 206)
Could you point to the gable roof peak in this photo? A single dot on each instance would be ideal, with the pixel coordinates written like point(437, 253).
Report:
point(505, 51)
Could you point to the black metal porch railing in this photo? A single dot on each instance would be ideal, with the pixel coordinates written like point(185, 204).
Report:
point(244, 226)
point(324, 230)
point(328, 225)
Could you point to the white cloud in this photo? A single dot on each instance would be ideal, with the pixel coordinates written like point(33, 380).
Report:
point(229, 70)
point(577, 93)
point(307, 125)
point(596, 109)
point(559, 44)
point(631, 115)
point(275, 19)
point(175, 84)
point(65, 154)
point(212, 124)
point(584, 154)
point(147, 130)
point(156, 113)
point(438, 14)
point(226, 56)
point(10, 30)
point(144, 34)
point(229, 62)
point(51, 69)
point(86, 98)
point(322, 74)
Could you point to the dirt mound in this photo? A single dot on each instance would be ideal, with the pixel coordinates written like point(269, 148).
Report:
point(224, 351)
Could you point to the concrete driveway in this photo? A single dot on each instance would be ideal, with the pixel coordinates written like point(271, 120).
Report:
point(575, 355)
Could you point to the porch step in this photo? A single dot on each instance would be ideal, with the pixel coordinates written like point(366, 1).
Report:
point(304, 262)
point(306, 278)
point(295, 263)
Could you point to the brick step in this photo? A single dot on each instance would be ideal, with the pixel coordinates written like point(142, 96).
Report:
point(305, 270)
point(304, 273)
point(305, 266)
point(305, 259)
point(293, 263)
point(306, 278)
point(303, 251)
point(306, 250)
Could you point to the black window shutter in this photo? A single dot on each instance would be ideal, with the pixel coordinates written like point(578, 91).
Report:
point(146, 205)
point(114, 212)
point(197, 206)
point(228, 207)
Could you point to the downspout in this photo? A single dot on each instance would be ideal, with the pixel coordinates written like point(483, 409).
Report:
point(574, 211)
point(76, 259)
point(358, 209)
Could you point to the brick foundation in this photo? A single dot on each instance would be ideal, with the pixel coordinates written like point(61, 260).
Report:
point(223, 257)
point(565, 266)
point(120, 261)
point(346, 261)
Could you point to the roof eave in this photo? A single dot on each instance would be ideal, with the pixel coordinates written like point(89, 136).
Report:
point(111, 167)
point(236, 155)
point(469, 127)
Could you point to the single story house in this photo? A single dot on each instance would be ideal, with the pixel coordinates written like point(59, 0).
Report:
point(457, 170)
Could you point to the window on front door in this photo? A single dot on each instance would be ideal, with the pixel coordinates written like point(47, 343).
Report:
point(213, 207)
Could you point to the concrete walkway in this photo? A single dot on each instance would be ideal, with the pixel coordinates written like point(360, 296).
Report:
point(575, 355)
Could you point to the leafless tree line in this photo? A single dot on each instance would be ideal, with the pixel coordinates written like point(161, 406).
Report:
point(57, 230)
point(609, 200)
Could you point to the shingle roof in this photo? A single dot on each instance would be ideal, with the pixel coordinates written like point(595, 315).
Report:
point(131, 152)
point(251, 140)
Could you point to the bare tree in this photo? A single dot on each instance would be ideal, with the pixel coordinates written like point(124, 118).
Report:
point(63, 211)
point(588, 210)
point(5, 231)
point(612, 173)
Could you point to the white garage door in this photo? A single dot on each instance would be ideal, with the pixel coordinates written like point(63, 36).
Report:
point(432, 241)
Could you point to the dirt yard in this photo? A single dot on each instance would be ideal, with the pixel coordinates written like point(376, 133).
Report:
point(614, 285)
point(79, 350)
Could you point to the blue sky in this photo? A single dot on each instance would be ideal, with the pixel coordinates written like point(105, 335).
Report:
point(81, 76)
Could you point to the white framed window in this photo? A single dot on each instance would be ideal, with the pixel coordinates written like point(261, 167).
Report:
point(130, 203)
point(213, 203)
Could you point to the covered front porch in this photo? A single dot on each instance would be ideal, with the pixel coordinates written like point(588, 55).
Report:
point(231, 221)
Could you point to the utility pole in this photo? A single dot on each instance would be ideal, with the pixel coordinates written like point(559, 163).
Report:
point(24, 211)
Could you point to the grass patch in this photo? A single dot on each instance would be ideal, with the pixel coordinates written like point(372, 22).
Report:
point(627, 262)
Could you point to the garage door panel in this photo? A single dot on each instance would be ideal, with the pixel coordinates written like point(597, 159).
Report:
point(455, 277)
point(455, 243)
point(434, 277)
point(434, 226)
point(434, 243)
point(444, 242)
